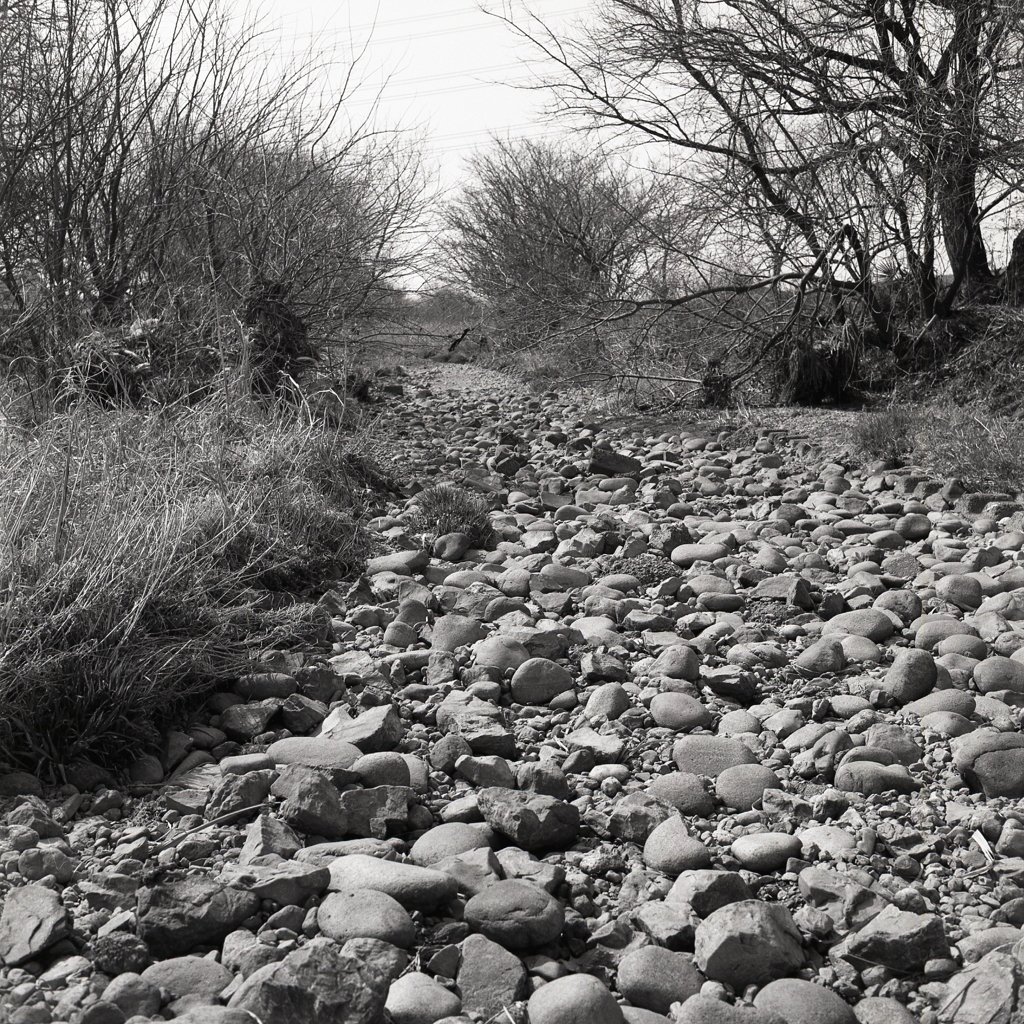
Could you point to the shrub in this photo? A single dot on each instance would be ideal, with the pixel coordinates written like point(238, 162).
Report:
point(985, 452)
point(451, 509)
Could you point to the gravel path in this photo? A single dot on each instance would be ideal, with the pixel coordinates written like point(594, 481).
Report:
point(721, 736)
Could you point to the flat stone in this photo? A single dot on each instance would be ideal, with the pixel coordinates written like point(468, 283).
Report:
point(801, 1002)
point(453, 631)
point(414, 887)
point(765, 852)
point(189, 976)
point(446, 840)
point(679, 711)
point(315, 752)
point(365, 914)
point(988, 992)
point(869, 622)
point(654, 978)
point(416, 998)
point(710, 755)
point(575, 999)
point(539, 680)
point(516, 914)
point(33, 919)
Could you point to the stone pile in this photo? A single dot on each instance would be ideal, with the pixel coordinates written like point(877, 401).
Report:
point(717, 734)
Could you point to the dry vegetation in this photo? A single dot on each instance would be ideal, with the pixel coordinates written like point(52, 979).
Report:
point(985, 452)
point(146, 554)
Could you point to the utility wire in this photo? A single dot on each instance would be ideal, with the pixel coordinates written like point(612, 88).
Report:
point(452, 30)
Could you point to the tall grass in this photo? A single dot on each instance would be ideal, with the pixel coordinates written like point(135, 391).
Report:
point(140, 553)
point(984, 451)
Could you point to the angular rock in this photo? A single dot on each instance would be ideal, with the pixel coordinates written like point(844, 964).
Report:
point(896, 939)
point(480, 724)
point(376, 812)
point(178, 915)
point(287, 883)
point(33, 919)
point(316, 984)
point(748, 943)
point(312, 805)
point(637, 815)
point(374, 730)
point(489, 977)
point(988, 992)
point(533, 821)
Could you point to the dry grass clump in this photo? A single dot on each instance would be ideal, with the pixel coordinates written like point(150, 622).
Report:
point(143, 555)
point(887, 435)
point(448, 508)
point(985, 452)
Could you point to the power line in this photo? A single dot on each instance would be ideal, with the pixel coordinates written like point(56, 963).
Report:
point(386, 97)
point(488, 133)
point(460, 74)
point(336, 33)
point(457, 12)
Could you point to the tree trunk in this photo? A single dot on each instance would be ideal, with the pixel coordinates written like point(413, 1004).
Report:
point(959, 214)
point(961, 228)
point(1014, 283)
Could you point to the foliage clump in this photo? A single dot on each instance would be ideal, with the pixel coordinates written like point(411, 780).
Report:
point(984, 452)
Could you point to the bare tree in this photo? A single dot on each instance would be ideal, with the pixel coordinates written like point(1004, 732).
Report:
point(551, 236)
point(840, 134)
point(152, 152)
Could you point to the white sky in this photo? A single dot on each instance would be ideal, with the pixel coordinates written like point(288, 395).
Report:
point(444, 67)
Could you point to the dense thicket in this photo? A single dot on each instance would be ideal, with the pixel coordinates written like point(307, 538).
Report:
point(157, 164)
point(551, 236)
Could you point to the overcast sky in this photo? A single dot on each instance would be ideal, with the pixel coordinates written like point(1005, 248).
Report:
point(443, 66)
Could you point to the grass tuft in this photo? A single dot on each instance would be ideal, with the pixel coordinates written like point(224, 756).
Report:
point(448, 508)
